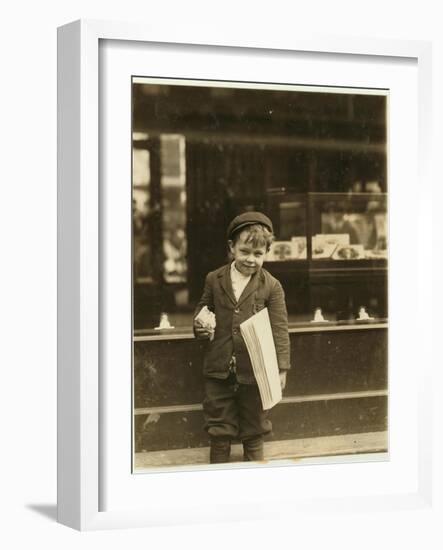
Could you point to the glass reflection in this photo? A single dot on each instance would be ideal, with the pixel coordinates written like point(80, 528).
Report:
point(353, 227)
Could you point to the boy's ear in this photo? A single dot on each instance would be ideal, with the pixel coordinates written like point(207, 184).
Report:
point(230, 246)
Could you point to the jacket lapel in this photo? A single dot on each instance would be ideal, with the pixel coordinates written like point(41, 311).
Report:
point(250, 287)
point(225, 283)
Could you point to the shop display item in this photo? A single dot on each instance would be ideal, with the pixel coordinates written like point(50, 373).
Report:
point(363, 315)
point(281, 251)
point(325, 244)
point(318, 317)
point(349, 252)
point(299, 248)
point(164, 322)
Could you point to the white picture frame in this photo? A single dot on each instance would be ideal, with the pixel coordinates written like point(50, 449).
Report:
point(81, 362)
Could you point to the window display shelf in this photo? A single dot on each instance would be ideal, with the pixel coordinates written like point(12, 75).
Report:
point(148, 335)
point(328, 227)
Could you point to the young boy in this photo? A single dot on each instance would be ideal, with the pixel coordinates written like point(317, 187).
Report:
point(232, 404)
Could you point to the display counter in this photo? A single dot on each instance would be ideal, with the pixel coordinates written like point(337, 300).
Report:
point(337, 385)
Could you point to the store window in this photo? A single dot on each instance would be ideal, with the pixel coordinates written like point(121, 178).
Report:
point(314, 161)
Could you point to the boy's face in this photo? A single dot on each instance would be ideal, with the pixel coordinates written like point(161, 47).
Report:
point(248, 258)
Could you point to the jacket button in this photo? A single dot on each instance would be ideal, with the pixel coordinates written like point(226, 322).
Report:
point(234, 331)
point(236, 310)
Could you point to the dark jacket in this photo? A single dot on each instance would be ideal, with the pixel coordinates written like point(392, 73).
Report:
point(263, 290)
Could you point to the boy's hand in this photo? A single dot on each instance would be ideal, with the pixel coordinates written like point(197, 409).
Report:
point(201, 331)
point(282, 375)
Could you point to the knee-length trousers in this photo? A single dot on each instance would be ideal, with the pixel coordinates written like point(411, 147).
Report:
point(234, 410)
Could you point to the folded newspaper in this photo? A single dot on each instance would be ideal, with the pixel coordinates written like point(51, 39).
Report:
point(257, 334)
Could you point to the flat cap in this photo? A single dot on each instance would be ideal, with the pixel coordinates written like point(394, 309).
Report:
point(248, 218)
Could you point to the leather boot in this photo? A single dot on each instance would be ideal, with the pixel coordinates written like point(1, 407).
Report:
point(253, 449)
point(220, 450)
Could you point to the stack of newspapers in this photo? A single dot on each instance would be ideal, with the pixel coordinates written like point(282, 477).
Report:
point(257, 334)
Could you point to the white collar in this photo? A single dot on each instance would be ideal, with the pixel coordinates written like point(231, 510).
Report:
point(238, 274)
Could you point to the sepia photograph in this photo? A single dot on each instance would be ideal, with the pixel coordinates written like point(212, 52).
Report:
point(239, 312)
point(259, 273)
